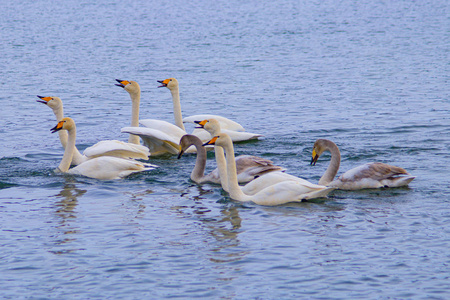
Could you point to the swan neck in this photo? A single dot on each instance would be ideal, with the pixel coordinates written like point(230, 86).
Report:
point(233, 186)
point(333, 167)
point(222, 166)
point(63, 135)
point(64, 165)
point(135, 102)
point(200, 162)
point(177, 108)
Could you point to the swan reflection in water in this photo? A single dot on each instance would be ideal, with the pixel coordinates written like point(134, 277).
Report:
point(66, 213)
point(223, 223)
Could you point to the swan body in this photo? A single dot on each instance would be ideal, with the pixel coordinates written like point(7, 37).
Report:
point(103, 167)
point(275, 194)
point(367, 176)
point(276, 173)
point(159, 136)
point(236, 131)
point(248, 167)
point(104, 148)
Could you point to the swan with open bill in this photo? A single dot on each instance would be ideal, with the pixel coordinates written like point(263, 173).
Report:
point(103, 167)
point(275, 194)
point(103, 148)
point(370, 175)
point(159, 136)
point(249, 167)
point(225, 123)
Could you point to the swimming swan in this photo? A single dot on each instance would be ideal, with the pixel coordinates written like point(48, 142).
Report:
point(263, 180)
point(103, 148)
point(225, 124)
point(279, 193)
point(370, 175)
point(103, 167)
point(159, 136)
point(248, 167)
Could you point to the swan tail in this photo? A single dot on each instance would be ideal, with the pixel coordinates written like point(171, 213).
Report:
point(318, 193)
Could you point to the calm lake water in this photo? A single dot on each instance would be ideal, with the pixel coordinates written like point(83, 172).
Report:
point(370, 75)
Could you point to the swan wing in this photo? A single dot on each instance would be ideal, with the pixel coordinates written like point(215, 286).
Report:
point(163, 126)
point(225, 123)
point(239, 136)
point(289, 191)
point(109, 167)
point(159, 142)
point(117, 149)
point(272, 178)
point(373, 175)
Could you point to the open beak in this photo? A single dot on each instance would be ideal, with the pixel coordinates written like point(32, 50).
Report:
point(201, 123)
point(163, 82)
point(44, 99)
point(314, 158)
point(122, 83)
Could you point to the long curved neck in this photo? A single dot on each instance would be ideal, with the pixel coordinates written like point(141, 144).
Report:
point(222, 166)
point(64, 165)
point(63, 136)
point(200, 162)
point(135, 101)
point(177, 108)
point(233, 186)
point(333, 167)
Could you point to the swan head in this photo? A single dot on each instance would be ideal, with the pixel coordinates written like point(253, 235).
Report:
point(52, 102)
point(210, 125)
point(220, 140)
point(130, 86)
point(186, 141)
point(320, 146)
point(65, 123)
point(170, 83)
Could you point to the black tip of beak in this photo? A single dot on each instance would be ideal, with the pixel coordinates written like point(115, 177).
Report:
point(313, 161)
point(54, 129)
point(180, 154)
point(206, 144)
point(120, 83)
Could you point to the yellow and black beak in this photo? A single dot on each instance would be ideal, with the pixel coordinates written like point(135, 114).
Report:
point(44, 99)
point(314, 158)
point(212, 141)
point(180, 154)
point(201, 123)
point(122, 83)
point(58, 127)
point(164, 82)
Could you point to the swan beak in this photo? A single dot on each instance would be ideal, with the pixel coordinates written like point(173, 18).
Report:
point(201, 123)
point(180, 154)
point(314, 158)
point(122, 83)
point(163, 82)
point(58, 127)
point(44, 99)
point(212, 141)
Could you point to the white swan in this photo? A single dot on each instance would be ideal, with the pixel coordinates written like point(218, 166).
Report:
point(370, 175)
point(225, 124)
point(159, 136)
point(248, 167)
point(103, 167)
point(103, 148)
point(264, 180)
point(279, 193)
